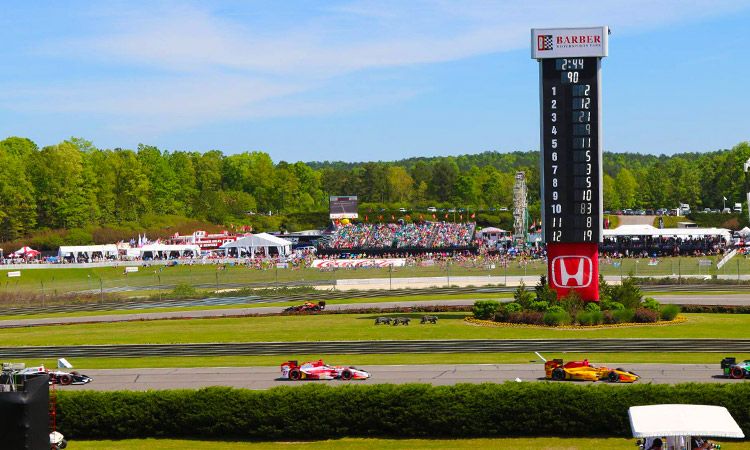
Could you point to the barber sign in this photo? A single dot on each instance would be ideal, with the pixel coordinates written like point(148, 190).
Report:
point(574, 266)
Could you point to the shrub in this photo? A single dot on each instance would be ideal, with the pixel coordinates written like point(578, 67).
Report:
point(556, 316)
point(572, 303)
point(540, 306)
point(544, 292)
point(526, 317)
point(587, 318)
point(393, 410)
point(623, 315)
point(485, 309)
point(628, 293)
point(669, 312)
point(513, 307)
point(645, 315)
point(650, 303)
point(522, 296)
point(608, 317)
point(183, 290)
point(592, 307)
point(610, 305)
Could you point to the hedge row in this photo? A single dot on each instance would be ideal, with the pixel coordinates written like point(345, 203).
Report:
point(406, 410)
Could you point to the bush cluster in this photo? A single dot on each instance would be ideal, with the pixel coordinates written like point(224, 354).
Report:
point(618, 304)
point(406, 410)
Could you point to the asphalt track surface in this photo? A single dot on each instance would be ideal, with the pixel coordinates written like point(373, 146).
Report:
point(683, 299)
point(438, 375)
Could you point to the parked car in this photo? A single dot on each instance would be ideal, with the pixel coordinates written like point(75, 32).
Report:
point(402, 210)
point(432, 209)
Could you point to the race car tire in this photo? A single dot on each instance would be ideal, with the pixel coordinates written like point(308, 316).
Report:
point(737, 373)
point(613, 377)
point(65, 379)
point(558, 374)
point(295, 374)
point(346, 375)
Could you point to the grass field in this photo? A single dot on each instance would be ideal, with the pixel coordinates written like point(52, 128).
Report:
point(392, 359)
point(348, 443)
point(335, 327)
point(340, 301)
point(69, 279)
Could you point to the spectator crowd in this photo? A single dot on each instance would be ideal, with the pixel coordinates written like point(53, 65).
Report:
point(423, 235)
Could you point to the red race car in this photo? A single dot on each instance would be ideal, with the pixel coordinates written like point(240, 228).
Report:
point(318, 370)
point(306, 307)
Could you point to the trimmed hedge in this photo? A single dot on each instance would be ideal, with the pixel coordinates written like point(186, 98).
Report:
point(408, 410)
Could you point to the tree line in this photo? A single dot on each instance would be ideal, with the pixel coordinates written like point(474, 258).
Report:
point(74, 184)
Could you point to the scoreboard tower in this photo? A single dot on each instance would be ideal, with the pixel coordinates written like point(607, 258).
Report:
point(571, 154)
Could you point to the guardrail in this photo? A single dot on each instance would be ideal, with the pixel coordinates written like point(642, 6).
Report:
point(382, 347)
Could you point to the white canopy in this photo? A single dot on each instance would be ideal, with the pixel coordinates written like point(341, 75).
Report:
point(249, 244)
point(648, 230)
point(683, 420)
point(88, 250)
point(490, 230)
point(166, 249)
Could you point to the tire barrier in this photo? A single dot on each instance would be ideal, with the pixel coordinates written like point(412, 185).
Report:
point(378, 347)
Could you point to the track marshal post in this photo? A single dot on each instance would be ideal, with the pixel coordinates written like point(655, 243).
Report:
point(571, 154)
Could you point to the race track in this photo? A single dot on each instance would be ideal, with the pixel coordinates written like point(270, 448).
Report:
point(682, 299)
point(447, 374)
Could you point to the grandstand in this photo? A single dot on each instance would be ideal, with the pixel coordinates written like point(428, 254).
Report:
point(400, 238)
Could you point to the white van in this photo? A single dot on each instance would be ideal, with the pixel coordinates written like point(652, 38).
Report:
point(738, 207)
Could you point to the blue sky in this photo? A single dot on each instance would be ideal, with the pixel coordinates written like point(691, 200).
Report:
point(362, 80)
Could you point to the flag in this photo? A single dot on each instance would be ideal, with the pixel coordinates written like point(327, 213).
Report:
point(434, 217)
point(725, 199)
point(421, 217)
point(393, 217)
point(365, 217)
point(533, 225)
point(461, 217)
point(446, 216)
point(473, 215)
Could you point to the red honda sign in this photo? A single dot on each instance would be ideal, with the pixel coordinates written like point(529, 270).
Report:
point(574, 266)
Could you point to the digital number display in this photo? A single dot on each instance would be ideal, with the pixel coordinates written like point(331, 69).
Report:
point(571, 150)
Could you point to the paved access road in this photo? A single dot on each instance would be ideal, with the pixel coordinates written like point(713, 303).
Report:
point(683, 299)
point(441, 374)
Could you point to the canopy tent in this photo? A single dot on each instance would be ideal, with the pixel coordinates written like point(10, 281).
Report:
point(75, 251)
point(648, 230)
point(26, 252)
point(165, 250)
point(250, 244)
point(744, 232)
point(492, 230)
point(683, 420)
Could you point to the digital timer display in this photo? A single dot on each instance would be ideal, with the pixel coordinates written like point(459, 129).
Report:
point(571, 152)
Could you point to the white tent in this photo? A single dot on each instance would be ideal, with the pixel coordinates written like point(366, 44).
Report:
point(683, 420)
point(250, 244)
point(648, 230)
point(76, 250)
point(166, 250)
point(491, 230)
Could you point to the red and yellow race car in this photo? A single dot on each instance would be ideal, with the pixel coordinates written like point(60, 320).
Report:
point(583, 371)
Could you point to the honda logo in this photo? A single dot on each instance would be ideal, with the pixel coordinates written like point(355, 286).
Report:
point(572, 271)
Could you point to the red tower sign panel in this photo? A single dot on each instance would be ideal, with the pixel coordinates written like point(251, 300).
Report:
point(571, 154)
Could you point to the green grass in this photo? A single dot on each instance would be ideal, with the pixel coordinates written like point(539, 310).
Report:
point(61, 280)
point(390, 359)
point(335, 327)
point(341, 301)
point(550, 443)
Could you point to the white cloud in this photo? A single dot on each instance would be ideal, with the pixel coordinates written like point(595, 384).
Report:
point(187, 65)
